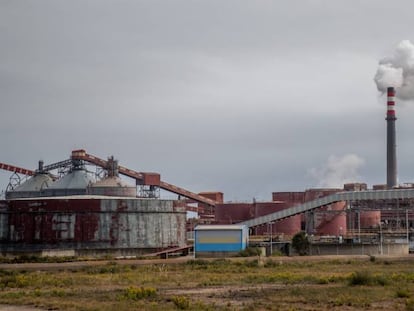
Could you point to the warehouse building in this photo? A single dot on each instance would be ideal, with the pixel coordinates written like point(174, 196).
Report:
point(220, 240)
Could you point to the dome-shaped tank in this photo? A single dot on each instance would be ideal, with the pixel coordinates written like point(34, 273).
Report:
point(112, 186)
point(33, 187)
point(74, 183)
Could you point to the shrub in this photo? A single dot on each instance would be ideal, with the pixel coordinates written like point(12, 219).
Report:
point(300, 243)
point(250, 251)
point(136, 293)
point(365, 278)
point(360, 278)
point(402, 293)
point(181, 302)
point(197, 262)
point(409, 304)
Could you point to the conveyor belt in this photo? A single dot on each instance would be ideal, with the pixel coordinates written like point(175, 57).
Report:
point(337, 197)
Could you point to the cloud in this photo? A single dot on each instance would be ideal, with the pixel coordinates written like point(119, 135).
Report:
point(398, 71)
point(338, 170)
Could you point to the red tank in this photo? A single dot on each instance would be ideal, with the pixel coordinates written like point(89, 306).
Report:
point(368, 219)
point(328, 220)
point(331, 219)
point(289, 226)
point(230, 213)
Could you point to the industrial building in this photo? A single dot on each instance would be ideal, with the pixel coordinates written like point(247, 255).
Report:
point(220, 240)
point(78, 213)
point(65, 208)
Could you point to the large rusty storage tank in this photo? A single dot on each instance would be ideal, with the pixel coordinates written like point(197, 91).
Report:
point(33, 187)
point(73, 183)
point(370, 219)
point(330, 219)
point(288, 226)
point(112, 186)
point(232, 213)
point(366, 219)
point(92, 225)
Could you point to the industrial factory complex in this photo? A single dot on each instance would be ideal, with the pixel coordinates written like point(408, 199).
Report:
point(82, 206)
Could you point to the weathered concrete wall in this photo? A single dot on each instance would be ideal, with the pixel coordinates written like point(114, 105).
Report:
point(359, 249)
point(90, 224)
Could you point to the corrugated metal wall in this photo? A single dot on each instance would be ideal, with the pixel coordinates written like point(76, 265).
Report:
point(91, 223)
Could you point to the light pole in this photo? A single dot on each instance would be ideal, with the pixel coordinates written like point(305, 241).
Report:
point(380, 225)
point(406, 227)
point(271, 237)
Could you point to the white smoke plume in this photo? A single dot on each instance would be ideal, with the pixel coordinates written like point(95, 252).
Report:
point(338, 171)
point(398, 71)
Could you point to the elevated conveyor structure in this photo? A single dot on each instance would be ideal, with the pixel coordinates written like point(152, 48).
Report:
point(149, 179)
point(16, 169)
point(337, 197)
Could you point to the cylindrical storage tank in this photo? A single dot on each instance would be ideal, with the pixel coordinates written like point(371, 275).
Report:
point(33, 187)
point(290, 199)
point(74, 183)
point(288, 226)
point(370, 219)
point(92, 225)
point(230, 213)
point(331, 219)
point(367, 219)
point(112, 186)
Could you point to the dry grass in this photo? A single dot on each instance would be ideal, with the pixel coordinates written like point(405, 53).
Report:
point(217, 285)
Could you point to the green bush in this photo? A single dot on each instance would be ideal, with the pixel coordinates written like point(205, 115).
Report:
point(300, 243)
point(360, 278)
point(250, 251)
point(181, 302)
point(402, 293)
point(409, 304)
point(136, 293)
point(365, 278)
point(197, 262)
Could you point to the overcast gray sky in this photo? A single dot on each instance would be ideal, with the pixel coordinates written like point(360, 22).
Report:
point(244, 97)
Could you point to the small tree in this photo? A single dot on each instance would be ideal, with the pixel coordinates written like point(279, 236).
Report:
point(301, 243)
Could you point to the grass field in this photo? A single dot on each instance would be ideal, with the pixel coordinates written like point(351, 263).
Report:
point(248, 284)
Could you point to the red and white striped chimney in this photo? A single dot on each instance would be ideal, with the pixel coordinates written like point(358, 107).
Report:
point(391, 140)
point(390, 101)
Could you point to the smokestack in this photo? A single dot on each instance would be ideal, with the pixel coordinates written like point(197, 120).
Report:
point(391, 140)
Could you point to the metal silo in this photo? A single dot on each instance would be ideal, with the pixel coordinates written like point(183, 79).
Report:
point(74, 183)
point(112, 186)
point(33, 187)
